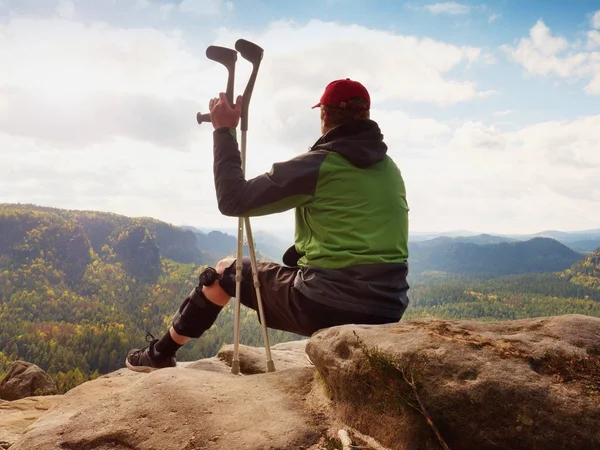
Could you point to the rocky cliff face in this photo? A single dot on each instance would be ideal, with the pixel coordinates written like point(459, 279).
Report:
point(415, 385)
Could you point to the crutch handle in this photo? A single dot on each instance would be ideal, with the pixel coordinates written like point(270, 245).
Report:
point(201, 118)
point(227, 57)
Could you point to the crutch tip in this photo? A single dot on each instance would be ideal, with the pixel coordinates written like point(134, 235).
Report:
point(235, 367)
point(270, 366)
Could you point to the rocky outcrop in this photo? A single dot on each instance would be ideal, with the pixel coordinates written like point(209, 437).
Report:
point(17, 415)
point(25, 380)
point(416, 385)
point(525, 384)
point(193, 406)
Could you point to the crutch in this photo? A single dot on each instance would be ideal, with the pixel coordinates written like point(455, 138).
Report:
point(252, 53)
point(228, 58)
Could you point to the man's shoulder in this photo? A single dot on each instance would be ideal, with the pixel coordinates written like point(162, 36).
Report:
point(312, 157)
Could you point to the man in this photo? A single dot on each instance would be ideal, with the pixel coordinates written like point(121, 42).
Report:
point(349, 261)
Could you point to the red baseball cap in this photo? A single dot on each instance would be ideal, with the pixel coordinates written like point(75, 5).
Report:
point(339, 92)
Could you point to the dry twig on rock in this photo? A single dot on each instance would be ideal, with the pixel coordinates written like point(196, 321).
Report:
point(423, 410)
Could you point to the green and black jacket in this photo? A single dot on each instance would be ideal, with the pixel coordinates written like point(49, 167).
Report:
point(351, 215)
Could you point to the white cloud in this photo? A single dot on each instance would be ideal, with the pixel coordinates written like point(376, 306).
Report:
point(405, 130)
point(594, 86)
point(125, 176)
point(99, 82)
point(66, 9)
point(166, 9)
point(100, 118)
point(76, 59)
point(540, 176)
point(477, 136)
point(196, 7)
point(543, 41)
point(593, 39)
point(568, 163)
point(570, 143)
point(494, 17)
point(448, 8)
point(205, 7)
point(595, 21)
point(503, 113)
point(489, 58)
point(543, 54)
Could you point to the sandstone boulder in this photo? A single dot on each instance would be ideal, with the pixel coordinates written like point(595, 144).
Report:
point(198, 405)
point(25, 380)
point(524, 384)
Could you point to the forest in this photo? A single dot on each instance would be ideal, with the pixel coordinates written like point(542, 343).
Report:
point(78, 289)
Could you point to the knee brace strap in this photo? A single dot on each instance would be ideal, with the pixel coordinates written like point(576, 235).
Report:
point(208, 276)
point(195, 315)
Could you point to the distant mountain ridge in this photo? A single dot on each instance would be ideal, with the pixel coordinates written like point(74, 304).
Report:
point(483, 254)
point(185, 244)
point(479, 239)
point(556, 234)
point(463, 256)
point(101, 228)
point(580, 241)
point(564, 235)
point(218, 244)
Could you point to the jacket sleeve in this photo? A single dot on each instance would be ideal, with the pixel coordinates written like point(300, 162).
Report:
point(287, 185)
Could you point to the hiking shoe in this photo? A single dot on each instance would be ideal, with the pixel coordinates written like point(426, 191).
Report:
point(147, 359)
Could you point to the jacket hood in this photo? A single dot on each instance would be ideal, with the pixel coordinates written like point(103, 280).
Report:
point(360, 142)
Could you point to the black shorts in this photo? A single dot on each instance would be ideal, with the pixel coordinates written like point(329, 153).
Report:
point(287, 309)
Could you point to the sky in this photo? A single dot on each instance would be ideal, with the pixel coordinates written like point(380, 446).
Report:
point(490, 109)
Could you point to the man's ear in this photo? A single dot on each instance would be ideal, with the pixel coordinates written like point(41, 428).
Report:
point(324, 116)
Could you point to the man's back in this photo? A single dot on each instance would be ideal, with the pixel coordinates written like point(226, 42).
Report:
point(353, 235)
point(359, 213)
